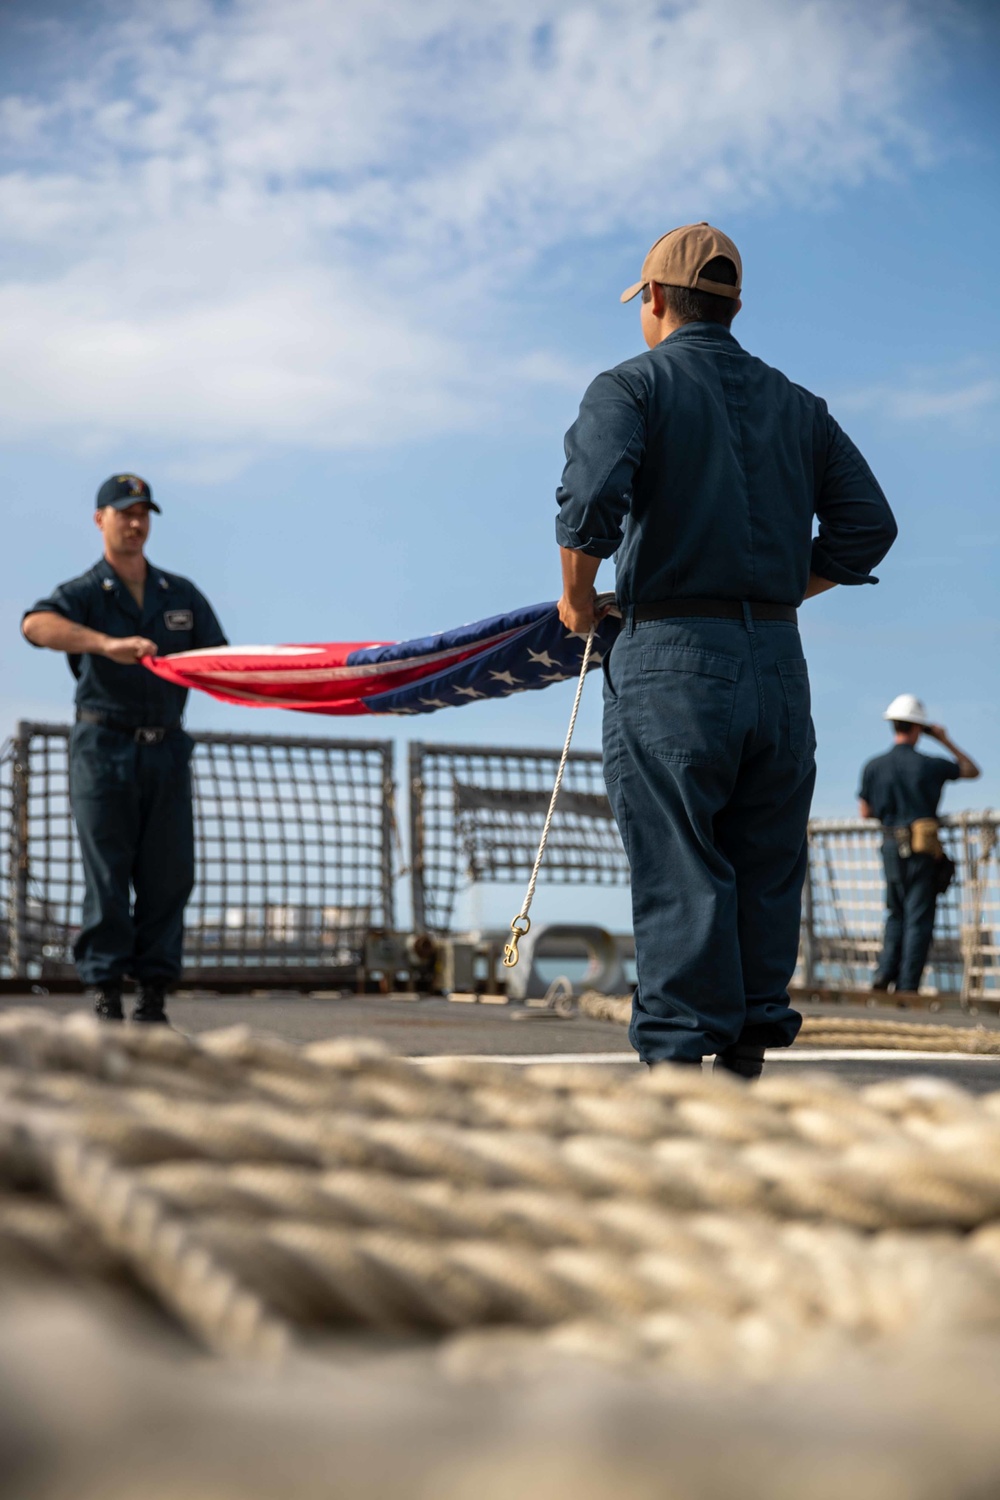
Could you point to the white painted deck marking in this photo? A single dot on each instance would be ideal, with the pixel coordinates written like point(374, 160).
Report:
point(782, 1055)
point(533, 1057)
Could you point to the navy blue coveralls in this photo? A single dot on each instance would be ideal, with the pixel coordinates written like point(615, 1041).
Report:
point(900, 787)
point(702, 468)
point(129, 776)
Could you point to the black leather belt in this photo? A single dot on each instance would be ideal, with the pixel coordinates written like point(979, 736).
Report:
point(142, 734)
point(713, 609)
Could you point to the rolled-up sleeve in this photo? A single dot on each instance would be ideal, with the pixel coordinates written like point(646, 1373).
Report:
point(68, 600)
point(604, 447)
point(856, 526)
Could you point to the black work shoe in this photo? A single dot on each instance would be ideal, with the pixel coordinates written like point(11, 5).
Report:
point(149, 1009)
point(743, 1059)
point(107, 1003)
point(880, 986)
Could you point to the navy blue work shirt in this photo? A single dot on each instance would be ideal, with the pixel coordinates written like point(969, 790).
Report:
point(702, 468)
point(904, 785)
point(174, 615)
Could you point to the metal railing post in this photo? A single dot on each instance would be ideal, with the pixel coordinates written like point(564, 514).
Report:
point(968, 911)
point(20, 853)
point(388, 823)
point(418, 897)
point(808, 923)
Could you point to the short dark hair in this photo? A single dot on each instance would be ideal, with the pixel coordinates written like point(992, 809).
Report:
point(903, 726)
point(690, 306)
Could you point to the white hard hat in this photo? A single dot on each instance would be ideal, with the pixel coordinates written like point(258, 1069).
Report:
point(907, 710)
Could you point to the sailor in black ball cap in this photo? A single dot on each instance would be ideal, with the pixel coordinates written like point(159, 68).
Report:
point(129, 773)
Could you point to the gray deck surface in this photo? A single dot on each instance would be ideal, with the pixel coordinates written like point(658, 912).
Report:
point(432, 1027)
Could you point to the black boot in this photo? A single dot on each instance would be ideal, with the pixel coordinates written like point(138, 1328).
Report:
point(149, 1008)
point(743, 1059)
point(106, 1000)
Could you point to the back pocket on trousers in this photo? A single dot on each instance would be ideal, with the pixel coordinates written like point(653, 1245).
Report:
point(798, 706)
point(686, 700)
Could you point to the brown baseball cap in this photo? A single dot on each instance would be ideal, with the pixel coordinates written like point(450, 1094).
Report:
point(678, 256)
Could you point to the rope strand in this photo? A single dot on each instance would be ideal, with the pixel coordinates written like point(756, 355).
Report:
point(518, 930)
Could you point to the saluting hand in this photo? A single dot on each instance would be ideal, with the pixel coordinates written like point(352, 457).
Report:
point(967, 768)
point(127, 650)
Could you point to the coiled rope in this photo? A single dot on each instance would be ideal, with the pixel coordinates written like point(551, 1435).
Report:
point(841, 1031)
point(265, 1193)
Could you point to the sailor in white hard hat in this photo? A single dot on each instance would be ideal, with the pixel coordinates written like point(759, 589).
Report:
point(903, 789)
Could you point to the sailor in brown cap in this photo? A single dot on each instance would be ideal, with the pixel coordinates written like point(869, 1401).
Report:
point(702, 470)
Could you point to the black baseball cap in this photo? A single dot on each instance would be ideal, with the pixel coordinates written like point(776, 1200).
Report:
point(123, 490)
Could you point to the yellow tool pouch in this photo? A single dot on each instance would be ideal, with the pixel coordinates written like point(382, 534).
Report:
point(924, 837)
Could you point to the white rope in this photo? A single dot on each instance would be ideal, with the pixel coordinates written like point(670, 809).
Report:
point(268, 1196)
point(521, 924)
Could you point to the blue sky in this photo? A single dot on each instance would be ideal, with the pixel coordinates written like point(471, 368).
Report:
point(333, 277)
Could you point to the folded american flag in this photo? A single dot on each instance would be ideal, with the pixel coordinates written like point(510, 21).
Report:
point(513, 653)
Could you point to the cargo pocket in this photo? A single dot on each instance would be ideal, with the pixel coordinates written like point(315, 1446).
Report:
point(101, 761)
point(611, 739)
point(686, 700)
point(798, 707)
point(179, 747)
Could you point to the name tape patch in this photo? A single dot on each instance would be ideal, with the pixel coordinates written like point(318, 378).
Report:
point(178, 619)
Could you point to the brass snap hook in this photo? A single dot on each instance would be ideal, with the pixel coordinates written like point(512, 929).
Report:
point(517, 933)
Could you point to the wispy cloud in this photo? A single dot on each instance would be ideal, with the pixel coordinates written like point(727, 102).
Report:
point(255, 223)
point(960, 400)
point(544, 367)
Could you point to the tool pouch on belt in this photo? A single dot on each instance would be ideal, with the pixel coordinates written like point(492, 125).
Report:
point(923, 838)
point(902, 837)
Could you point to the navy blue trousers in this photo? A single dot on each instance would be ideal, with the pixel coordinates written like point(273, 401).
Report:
point(132, 805)
point(911, 901)
point(709, 763)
